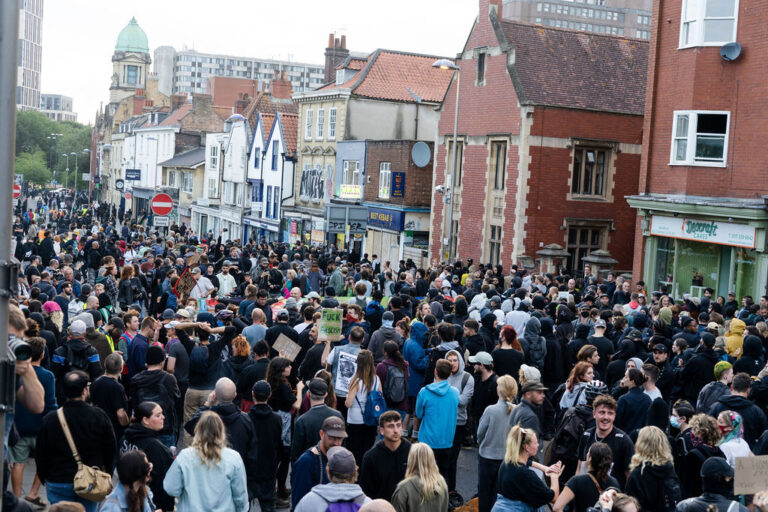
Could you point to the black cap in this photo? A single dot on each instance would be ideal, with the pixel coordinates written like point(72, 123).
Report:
point(707, 339)
point(634, 334)
point(261, 391)
point(660, 347)
point(318, 387)
point(716, 466)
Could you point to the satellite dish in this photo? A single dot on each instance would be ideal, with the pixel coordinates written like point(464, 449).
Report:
point(421, 154)
point(730, 51)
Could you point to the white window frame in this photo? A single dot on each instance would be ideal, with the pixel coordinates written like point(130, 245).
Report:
point(269, 202)
point(172, 179)
point(275, 201)
point(332, 123)
point(319, 132)
point(308, 125)
point(352, 172)
point(385, 179)
point(213, 188)
point(697, 21)
point(228, 192)
point(187, 182)
point(690, 138)
point(214, 157)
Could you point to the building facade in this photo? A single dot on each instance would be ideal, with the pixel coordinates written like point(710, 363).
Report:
point(701, 205)
point(542, 157)
point(187, 71)
point(57, 107)
point(30, 55)
point(631, 18)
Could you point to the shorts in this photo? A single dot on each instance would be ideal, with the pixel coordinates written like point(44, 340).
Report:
point(23, 449)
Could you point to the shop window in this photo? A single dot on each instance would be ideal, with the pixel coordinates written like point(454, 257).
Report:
point(582, 241)
point(700, 138)
point(494, 245)
point(708, 22)
point(589, 171)
point(499, 163)
point(385, 179)
point(459, 160)
point(698, 264)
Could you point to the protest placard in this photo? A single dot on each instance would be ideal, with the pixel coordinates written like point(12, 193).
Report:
point(750, 474)
point(346, 370)
point(285, 346)
point(330, 325)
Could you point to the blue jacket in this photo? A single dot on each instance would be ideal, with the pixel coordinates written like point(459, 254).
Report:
point(137, 354)
point(116, 501)
point(632, 409)
point(417, 357)
point(306, 473)
point(27, 423)
point(437, 408)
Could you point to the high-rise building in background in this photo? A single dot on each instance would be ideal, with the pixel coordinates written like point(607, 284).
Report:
point(30, 54)
point(57, 107)
point(629, 18)
point(187, 71)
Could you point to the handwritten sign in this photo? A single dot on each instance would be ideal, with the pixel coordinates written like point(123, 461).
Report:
point(330, 325)
point(750, 474)
point(185, 284)
point(193, 259)
point(285, 345)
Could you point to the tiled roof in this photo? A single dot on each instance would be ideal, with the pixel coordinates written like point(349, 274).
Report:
point(223, 112)
point(567, 68)
point(353, 63)
point(191, 158)
point(290, 124)
point(267, 120)
point(177, 115)
point(390, 75)
point(264, 103)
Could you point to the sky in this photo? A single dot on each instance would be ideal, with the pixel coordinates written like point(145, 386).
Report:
point(79, 35)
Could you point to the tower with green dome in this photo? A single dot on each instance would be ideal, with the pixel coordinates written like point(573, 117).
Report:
point(130, 62)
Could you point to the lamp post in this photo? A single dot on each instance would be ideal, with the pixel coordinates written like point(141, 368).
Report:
point(90, 180)
point(55, 138)
point(66, 171)
point(447, 240)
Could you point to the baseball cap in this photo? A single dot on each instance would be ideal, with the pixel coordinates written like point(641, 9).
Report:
point(341, 461)
point(533, 386)
point(318, 387)
point(714, 466)
point(530, 373)
point(182, 313)
point(168, 314)
point(226, 263)
point(481, 357)
point(261, 390)
point(634, 334)
point(599, 323)
point(283, 313)
point(172, 324)
point(713, 325)
point(195, 270)
point(334, 426)
point(313, 295)
point(77, 328)
point(660, 347)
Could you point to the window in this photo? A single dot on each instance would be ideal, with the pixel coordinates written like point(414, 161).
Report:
point(229, 192)
point(172, 182)
point(269, 201)
point(187, 186)
point(459, 160)
point(700, 138)
point(480, 69)
point(582, 241)
point(351, 172)
point(256, 157)
point(275, 153)
point(214, 157)
point(276, 204)
point(385, 179)
point(589, 167)
point(332, 124)
point(308, 126)
point(320, 124)
point(131, 74)
point(708, 22)
point(494, 245)
point(499, 162)
point(213, 187)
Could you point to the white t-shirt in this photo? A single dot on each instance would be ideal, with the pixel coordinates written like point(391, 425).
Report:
point(653, 394)
point(355, 413)
point(202, 286)
point(735, 448)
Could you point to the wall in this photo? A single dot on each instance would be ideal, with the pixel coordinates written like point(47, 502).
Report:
point(387, 120)
point(398, 153)
point(351, 151)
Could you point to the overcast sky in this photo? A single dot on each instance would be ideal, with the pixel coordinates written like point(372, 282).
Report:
point(79, 35)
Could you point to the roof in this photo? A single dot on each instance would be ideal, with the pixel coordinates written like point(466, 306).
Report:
point(353, 63)
point(191, 158)
point(265, 103)
point(132, 39)
point(267, 120)
point(177, 115)
point(290, 126)
point(573, 69)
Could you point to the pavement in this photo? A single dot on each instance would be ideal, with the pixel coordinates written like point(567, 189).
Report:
point(466, 476)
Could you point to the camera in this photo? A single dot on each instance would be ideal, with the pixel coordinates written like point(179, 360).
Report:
point(20, 348)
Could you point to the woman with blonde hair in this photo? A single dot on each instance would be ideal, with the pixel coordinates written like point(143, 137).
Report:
point(491, 436)
point(652, 478)
point(208, 475)
point(519, 488)
point(581, 375)
point(423, 489)
point(361, 436)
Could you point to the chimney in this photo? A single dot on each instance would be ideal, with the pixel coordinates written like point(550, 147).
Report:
point(335, 54)
point(241, 104)
point(177, 100)
point(281, 86)
point(201, 103)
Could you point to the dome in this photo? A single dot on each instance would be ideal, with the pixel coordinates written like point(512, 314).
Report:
point(132, 39)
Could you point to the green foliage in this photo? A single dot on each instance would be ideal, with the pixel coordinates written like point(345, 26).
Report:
point(33, 167)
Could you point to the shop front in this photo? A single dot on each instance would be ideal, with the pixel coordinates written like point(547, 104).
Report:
point(686, 255)
point(346, 226)
point(261, 229)
point(397, 234)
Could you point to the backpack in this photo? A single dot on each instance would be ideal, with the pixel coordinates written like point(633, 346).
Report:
point(77, 360)
point(568, 434)
point(395, 385)
point(198, 360)
point(536, 352)
point(375, 406)
point(158, 393)
point(343, 506)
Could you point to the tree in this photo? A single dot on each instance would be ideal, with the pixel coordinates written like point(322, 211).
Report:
point(33, 167)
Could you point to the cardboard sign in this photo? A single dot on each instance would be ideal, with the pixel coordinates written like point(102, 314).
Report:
point(330, 325)
point(193, 259)
point(751, 474)
point(287, 347)
point(185, 284)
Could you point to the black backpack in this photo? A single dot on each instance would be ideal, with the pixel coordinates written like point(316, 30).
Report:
point(77, 360)
point(568, 434)
point(158, 393)
point(395, 385)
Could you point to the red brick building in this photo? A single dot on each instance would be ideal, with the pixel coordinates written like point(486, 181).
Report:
point(550, 131)
point(701, 204)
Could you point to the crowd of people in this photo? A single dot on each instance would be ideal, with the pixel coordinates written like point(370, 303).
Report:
point(199, 373)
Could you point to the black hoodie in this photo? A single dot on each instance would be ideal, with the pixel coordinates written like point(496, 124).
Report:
point(139, 437)
point(698, 372)
point(753, 417)
point(751, 360)
point(653, 486)
point(268, 428)
point(160, 387)
point(382, 469)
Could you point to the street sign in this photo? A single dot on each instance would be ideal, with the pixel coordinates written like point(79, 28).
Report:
point(162, 204)
point(86, 176)
point(127, 196)
point(97, 179)
point(18, 179)
point(16, 191)
point(161, 222)
point(119, 184)
point(133, 174)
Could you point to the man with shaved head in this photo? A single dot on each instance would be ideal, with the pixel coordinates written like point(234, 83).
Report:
point(377, 506)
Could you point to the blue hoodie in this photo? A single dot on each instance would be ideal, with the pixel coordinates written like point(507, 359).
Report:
point(417, 357)
point(437, 407)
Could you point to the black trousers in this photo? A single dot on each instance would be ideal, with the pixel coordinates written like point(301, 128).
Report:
point(458, 438)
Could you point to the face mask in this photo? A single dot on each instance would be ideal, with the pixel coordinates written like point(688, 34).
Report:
point(674, 421)
point(723, 429)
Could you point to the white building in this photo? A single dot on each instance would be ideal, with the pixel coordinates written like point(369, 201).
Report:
point(30, 55)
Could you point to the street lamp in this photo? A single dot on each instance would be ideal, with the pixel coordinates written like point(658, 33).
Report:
point(87, 151)
point(55, 138)
point(447, 245)
point(66, 171)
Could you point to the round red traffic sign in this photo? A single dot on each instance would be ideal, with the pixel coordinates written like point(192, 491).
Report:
point(127, 196)
point(162, 204)
point(16, 191)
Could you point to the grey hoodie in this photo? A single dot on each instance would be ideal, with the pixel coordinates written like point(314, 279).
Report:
point(323, 495)
point(465, 395)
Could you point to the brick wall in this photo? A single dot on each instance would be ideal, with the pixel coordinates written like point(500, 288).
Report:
point(418, 191)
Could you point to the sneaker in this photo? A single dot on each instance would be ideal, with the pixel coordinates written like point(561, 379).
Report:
point(282, 503)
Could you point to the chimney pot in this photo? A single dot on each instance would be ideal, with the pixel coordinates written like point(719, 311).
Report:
point(343, 41)
point(330, 41)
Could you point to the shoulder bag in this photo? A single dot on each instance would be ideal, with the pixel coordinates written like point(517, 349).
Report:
point(90, 483)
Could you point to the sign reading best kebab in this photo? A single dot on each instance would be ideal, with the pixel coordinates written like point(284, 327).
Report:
point(714, 232)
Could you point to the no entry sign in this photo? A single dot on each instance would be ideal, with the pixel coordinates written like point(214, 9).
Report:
point(162, 204)
point(16, 191)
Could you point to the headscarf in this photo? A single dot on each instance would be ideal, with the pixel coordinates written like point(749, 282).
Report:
point(665, 314)
point(738, 428)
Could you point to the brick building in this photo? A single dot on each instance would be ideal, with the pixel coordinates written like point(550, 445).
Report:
point(549, 134)
point(701, 204)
